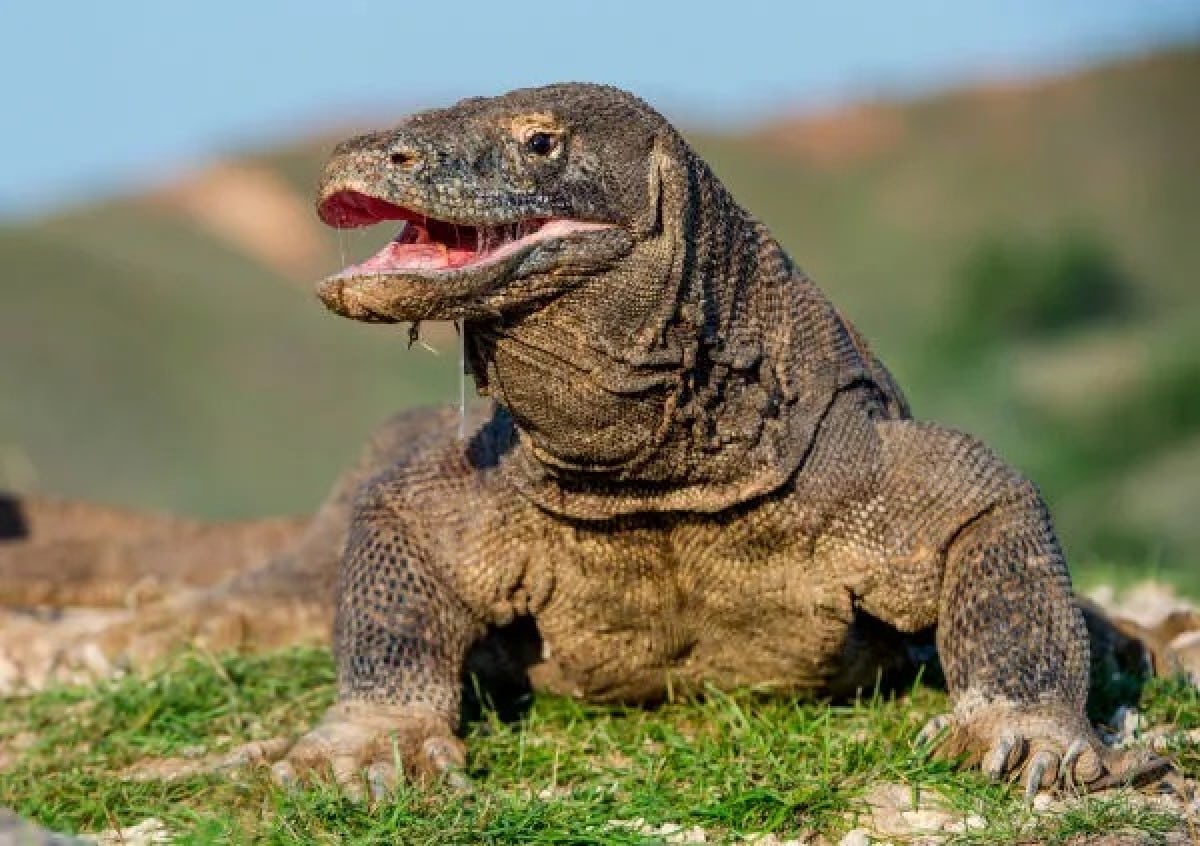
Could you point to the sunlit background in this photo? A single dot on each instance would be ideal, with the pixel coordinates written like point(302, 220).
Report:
point(1003, 196)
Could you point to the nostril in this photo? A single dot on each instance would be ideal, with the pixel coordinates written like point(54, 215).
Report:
point(401, 158)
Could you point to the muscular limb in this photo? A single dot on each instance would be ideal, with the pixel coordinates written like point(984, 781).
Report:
point(1010, 635)
point(400, 638)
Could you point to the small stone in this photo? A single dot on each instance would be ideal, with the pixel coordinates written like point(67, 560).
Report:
point(970, 823)
point(1044, 802)
point(1128, 722)
point(925, 820)
point(636, 824)
point(856, 837)
point(146, 833)
point(695, 834)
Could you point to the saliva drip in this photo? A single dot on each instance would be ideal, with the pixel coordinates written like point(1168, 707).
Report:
point(462, 380)
point(414, 337)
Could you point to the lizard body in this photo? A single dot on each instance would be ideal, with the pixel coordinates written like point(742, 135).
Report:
point(695, 471)
point(696, 468)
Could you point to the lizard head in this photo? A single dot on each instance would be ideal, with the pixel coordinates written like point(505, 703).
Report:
point(504, 202)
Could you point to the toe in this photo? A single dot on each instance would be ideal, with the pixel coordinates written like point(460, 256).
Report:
point(347, 771)
point(382, 780)
point(447, 760)
point(1080, 764)
point(1004, 756)
point(1041, 772)
point(284, 774)
point(1130, 767)
point(933, 730)
point(444, 754)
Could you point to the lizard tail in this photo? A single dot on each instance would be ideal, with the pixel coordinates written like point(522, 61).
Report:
point(1132, 649)
point(59, 553)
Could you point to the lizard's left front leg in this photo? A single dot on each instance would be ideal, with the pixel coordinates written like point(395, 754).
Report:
point(1010, 635)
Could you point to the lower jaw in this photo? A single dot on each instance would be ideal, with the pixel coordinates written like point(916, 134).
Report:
point(395, 299)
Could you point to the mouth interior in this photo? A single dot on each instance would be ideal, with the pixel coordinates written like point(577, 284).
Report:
point(425, 243)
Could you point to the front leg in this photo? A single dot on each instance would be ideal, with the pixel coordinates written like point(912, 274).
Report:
point(400, 639)
point(1010, 635)
point(1014, 649)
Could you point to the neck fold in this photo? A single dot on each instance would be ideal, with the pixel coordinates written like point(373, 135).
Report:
point(690, 377)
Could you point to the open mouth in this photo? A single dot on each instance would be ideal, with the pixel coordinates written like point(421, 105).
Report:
point(426, 244)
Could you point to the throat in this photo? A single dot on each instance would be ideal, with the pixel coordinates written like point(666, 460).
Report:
point(578, 413)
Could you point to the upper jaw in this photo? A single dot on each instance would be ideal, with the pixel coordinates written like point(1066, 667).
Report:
point(434, 268)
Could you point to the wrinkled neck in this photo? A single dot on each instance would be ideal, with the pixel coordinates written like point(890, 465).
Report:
point(678, 380)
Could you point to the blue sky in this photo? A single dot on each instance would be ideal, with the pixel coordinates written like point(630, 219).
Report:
point(101, 94)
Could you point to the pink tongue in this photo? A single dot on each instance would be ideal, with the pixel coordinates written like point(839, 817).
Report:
point(397, 256)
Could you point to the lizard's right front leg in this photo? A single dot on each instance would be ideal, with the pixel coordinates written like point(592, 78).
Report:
point(400, 639)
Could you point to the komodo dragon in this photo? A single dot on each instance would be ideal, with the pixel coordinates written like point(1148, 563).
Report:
point(695, 470)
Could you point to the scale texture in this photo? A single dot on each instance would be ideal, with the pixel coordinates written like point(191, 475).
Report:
point(694, 471)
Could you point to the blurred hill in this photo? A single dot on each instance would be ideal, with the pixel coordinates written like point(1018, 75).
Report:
point(1024, 255)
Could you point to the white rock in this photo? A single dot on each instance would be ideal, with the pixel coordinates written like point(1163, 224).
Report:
point(1044, 802)
point(925, 820)
point(670, 832)
point(970, 823)
point(857, 837)
point(1128, 722)
point(773, 840)
point(145, 833)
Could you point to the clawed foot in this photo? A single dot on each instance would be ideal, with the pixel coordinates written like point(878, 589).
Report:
point(1041, 746)
point(367, 747)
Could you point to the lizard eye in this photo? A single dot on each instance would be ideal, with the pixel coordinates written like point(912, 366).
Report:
point(541, 143)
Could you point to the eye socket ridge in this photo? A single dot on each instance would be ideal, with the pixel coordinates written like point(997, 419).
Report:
point(542, 143)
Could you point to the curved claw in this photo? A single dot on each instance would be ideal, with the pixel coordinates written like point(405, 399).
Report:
point(1003, 757)
point(284, 774)
point(459, 781)
point(370, 749)
point(447, 760)
point(381, 780)
point(933, 730)
point(1079, 764)
point(1041, 772)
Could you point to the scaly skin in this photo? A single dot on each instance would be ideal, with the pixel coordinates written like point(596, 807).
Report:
point(696, 472)
point(78, 554)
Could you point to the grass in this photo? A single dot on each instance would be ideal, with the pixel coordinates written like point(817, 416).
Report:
point(567, 773)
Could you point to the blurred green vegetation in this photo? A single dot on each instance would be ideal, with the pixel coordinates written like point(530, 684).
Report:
point(1012, 290)
point(1024, 257)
